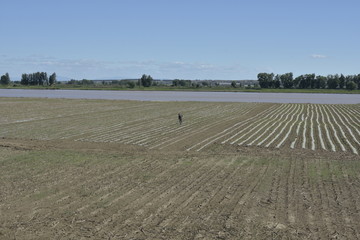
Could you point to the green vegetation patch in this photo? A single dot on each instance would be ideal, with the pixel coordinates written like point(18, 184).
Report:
point(328, 170)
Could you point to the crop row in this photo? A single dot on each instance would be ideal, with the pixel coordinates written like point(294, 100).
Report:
point(310, 126)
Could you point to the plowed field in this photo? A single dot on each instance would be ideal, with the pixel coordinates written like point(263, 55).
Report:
point(89, 169)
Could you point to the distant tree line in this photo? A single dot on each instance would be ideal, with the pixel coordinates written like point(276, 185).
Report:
point(194, 84)
point(80, 82)
point(38, 79)
point(308, 81)
point(144, 81)
point(121, 83)
point(181, 83)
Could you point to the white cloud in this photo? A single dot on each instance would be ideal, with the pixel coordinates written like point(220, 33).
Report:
point(317, 56)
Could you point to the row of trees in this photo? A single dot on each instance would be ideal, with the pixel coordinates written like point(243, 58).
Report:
point(38, 79)
point(86, 82)
point(144, 81)
point(80, 82)
point(5, 79)
point(181, 83)
point(270, 80)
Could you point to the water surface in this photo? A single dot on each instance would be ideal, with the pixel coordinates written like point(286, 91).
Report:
point(186, 96)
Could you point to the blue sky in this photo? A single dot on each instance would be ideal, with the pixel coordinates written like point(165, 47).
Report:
point(187, 39)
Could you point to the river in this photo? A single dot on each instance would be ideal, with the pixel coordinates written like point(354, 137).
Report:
point(186, 96)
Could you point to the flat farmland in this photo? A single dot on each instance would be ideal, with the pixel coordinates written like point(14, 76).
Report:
point(104, 169)
point(334, 128)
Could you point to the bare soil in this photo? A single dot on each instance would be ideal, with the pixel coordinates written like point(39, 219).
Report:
point(55, 186)
point(75, 190)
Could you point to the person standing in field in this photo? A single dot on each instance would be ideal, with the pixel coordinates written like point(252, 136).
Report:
point(180, 117)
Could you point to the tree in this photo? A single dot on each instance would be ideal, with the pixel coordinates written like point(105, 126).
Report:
point(320, 82)
point(265, 79)
point(72, 82)
point(333, 81)
point(341, 81)
point(176, 82)
point(233, 84)
point(357, 80)
point(287, 80)
point(181, 83)
point(306, 81)
point(5, 79)
point(350, 85)
point(277, 81)
point(44, 79)
point(300, 81)
point(310, 79)
point(86, 82)
point(52, 79)
point(185, 83)
point(24, 79)
point(204, 83)
point(349, 78)
point(130, 84)
point(145, 80)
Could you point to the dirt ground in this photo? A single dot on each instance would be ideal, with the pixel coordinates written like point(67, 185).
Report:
point(63, 175)
point(76, 190)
